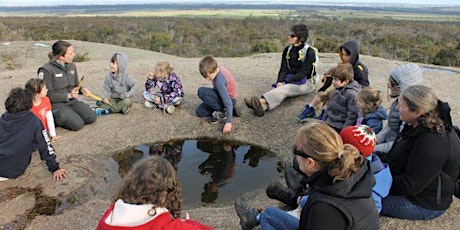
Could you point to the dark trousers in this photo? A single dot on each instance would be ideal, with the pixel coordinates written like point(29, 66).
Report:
point(74, 115)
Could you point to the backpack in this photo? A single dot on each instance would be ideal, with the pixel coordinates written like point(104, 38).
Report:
point(314, 79)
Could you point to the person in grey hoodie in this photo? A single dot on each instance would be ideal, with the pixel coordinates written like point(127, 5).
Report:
point(20, 133)
point(342, 110)
point(400, 78)
point(118, 87)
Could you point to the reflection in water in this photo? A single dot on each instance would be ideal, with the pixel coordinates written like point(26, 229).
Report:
point(220, 164)
point(211, 172)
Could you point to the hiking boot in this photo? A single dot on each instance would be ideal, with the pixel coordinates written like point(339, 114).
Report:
point(295, 180)
point(254, 104)
point(308, 112)
point(276, 191)
point(248, 216)
point(101, 111)
point(126, 109)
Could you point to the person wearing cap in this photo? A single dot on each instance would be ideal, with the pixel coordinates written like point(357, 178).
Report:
point(339, 179)
point(424, 158)
point(297, 68)
point(363, 138)
point(400, 78)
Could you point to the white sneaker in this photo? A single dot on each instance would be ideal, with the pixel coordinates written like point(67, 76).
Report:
point(169, 108)
point(149, 104)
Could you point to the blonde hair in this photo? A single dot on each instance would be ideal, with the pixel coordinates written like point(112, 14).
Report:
point(165, 67)
point(155, 182)
point(343, 71)
point(324, 144)
point(423, 99)
point(370, 100)
point(207, 65)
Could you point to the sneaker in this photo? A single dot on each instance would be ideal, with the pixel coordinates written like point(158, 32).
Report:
point(169, 108)
point(236, 112)
point(276, 191)
point(254, 104)
point(99, 103)
point(308, 112)
point(101, 111)
point(126, 109)
point(149, 104)
point(248, 216)
point(218, 115)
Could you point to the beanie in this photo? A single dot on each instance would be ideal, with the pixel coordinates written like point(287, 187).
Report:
point(360, 136)
point(407, 75)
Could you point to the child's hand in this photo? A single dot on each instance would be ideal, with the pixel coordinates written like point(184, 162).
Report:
point(151, 75)
point(60, 174)
point(187, 216)
point(105, 101)
point(227, 128)
point(278, 84)
point(55, 138)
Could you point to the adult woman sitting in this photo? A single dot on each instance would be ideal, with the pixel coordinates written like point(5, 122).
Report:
point(61, 78)
point(424, 159)
point(340, 185)
point(293, 77)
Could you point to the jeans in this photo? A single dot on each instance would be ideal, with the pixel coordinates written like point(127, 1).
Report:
point(211, 102)
point(275, 218)
point(401, 207)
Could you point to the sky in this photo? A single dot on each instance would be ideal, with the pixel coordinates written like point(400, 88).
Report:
point(88, 2)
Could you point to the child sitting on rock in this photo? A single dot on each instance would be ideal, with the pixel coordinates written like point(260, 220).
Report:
point(218, 102)
point(42, 105)
point(163, 88)
point(149, 198)
point(21, 132)
point(372, 111)
point(118, 87)
point(342, 109)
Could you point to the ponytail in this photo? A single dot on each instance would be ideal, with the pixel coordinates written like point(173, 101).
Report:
point(349, 161)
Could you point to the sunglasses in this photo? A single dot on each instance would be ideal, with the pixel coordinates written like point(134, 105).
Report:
point(302, 154)
point(292, 35)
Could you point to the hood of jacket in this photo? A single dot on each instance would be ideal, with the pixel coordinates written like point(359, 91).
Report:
point(358, 185)
point(353, 47)
point(381, 113)
point(122, 62)
point(407, 75)
point(12, 122)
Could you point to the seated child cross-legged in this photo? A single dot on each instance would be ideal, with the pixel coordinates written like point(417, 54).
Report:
point(163, 88)
point(118, 87)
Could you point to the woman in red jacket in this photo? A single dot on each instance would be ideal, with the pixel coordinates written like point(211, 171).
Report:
point(149, 198)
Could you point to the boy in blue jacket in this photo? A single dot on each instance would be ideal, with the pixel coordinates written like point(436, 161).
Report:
point(20, 133)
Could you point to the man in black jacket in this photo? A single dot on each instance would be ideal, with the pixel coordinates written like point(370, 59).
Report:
point(20, 133)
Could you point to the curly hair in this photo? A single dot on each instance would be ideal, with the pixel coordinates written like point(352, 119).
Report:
point(155, 182)
point(370, 99)
point(324, 144)
point(422, 98)
point(19, 100)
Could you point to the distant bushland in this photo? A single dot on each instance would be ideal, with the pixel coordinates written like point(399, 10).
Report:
point(425, 42)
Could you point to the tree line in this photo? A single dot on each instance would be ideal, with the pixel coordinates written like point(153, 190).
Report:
point(424, 42)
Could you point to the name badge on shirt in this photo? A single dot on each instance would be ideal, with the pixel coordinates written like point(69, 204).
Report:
point(58, 75)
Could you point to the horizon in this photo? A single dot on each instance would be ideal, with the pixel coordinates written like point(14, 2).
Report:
point(12, 3)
